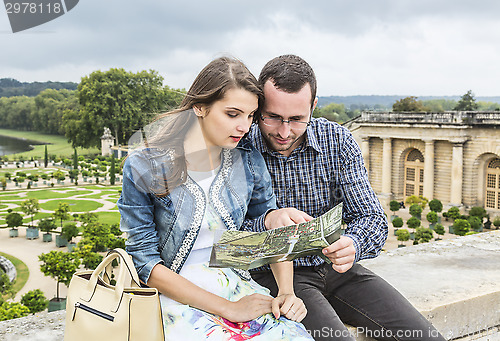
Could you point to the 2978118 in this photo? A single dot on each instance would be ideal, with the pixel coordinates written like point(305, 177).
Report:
point(33, 8)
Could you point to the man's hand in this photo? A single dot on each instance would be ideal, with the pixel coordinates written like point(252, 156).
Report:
point(285, 217)
point(342, 254)
point(289, 306)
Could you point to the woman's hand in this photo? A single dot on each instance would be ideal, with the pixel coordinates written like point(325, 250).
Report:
point(289, 306)
point(248, 308)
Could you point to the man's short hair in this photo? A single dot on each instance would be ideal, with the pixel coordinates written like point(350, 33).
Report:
point(289, 73)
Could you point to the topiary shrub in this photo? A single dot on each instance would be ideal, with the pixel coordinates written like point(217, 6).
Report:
point(432, 217)
point(35, 301)
point(413, 223)
point(461, 227)
point(439, 229)
point(397, 222)
point(435, 205)
point(453, 213)
point(403, 236)
point(415, 210)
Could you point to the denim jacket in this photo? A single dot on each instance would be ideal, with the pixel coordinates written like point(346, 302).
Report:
point(163, 229)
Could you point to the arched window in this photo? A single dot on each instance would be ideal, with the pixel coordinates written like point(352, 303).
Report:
point(414, 173)
point(493, 184)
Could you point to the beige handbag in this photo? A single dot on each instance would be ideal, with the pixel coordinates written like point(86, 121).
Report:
point(97, 310)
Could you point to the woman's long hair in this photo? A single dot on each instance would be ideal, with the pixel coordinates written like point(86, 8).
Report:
point(211, 85)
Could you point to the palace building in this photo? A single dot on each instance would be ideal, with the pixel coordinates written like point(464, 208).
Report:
point(451, 156)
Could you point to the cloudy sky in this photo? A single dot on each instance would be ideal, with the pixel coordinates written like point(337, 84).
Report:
point(357, 47)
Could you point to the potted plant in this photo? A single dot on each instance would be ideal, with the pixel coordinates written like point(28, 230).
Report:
point(424, 235)
point(496, 222)
point(61, 213)
point(432, 218)
point(69, 231)
point(453, 213)
point(475, 223)
point(31, 207)
point(61, 266)
point(413, 223)
point(394, 206)
point(416, 211)
point(13, 220)
point(461, 227)
point(397, 223)
point(35, 301)
point(439, 229)
point(436, 205)
point(403, 236)
point(47, 225)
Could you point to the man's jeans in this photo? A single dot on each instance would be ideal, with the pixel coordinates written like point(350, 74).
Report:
point(359, 298)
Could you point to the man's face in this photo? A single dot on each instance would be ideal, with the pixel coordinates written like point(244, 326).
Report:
point(288, 107)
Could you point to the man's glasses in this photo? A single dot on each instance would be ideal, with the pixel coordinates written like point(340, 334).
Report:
point(275, 122)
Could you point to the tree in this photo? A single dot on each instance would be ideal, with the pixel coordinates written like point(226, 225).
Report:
point(3, 182)
point(420, 200)
point(70, 231)
point(424, 235)
point(45, 157)
point(403, 236)
point(5, 285)
point(117, 99)
point(97, 235)
point(413, 223)
point(453, 213)
point(478, 211)
point(394, 206)
point(35, 301)
point(409, 104)
point(461, 227)
point(9, 311)
point(30, 207)
point(435, 205)
point(112, 171)
point(397, 222)
point(432, 217)
point(475, 223)
point(439, 229)
point(415, 210)
point(333, 112)
point(61, 212)
point(46, 225)
point(467, 102)
point(59, 265)
point(13, 220)
point(89, 258)
point(75, 160)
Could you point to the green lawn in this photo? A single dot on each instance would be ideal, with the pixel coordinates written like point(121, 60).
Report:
point(57, 145)
point(22, 272)
point(109, 217)
point(74, 205)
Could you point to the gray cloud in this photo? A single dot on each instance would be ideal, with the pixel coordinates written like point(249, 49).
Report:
point(357, 47)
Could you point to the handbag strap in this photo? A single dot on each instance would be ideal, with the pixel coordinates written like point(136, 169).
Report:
point(131, 279)
point(126, 269)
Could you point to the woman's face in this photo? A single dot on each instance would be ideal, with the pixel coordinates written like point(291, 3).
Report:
point(228, 119)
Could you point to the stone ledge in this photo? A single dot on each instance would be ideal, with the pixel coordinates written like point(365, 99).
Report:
point(454, 283)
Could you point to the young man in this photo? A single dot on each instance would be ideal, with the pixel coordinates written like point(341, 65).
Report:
point(316, 164)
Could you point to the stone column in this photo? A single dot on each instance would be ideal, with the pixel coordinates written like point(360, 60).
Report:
point(365, 151)
point(457, 173)
point(429, 169)
point(387, 165)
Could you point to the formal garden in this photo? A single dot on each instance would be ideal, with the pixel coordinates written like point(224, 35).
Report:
point(422, 228)
point(70, 203)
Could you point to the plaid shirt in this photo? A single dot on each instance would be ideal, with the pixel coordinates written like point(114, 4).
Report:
point(325, 170)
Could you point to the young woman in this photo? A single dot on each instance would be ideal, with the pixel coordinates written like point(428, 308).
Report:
point(192, 179)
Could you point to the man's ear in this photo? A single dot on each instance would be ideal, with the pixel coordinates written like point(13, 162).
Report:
point(314, 104)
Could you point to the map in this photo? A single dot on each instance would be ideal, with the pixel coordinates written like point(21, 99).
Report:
point(249, 250)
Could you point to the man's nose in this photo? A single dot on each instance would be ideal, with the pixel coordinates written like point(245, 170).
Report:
point(284, 129)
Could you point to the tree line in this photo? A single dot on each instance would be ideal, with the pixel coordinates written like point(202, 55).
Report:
point(10, 87)
point(120, 100)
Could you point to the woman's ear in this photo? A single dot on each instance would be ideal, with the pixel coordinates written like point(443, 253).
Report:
point(199, 110)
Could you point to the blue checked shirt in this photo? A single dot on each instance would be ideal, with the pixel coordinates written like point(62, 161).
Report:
point(325, 170)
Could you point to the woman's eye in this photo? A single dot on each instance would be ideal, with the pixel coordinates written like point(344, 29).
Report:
point(232, 114)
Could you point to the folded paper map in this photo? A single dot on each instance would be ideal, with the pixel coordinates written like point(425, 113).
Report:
point(249, 250)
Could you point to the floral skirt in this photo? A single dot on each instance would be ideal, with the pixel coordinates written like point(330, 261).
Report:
point(183, 322)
